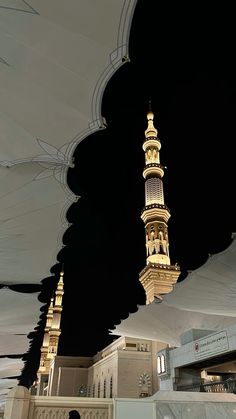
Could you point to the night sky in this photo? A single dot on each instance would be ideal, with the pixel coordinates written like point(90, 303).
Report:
point(183, 61)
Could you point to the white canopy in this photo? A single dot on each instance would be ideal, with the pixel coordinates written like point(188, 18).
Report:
point(56, 58)
point(211, 288)
point(204, 300)
point(11, 344)
point(6, 384)
point(10, 367)
point(19, 313)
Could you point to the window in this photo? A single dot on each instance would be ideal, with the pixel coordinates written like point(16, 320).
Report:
point(104, 388)
point(111, 387)
point(161, 364)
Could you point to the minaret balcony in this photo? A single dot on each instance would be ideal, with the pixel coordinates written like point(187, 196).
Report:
point(158, 279)
point(153, 170)
point(151, 142)
point(155, 212)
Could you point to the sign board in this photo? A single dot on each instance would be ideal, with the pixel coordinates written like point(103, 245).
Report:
point(211, 345)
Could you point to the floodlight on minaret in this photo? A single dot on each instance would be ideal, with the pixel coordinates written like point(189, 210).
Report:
point(159, 276)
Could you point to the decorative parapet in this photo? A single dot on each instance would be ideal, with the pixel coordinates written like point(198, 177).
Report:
point(59, 407)
point(204, 405)
point(21, 405)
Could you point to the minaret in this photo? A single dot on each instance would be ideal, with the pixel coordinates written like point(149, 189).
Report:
point(159, 276)
point(52, 332)
point(44, 349)
point(55, 331)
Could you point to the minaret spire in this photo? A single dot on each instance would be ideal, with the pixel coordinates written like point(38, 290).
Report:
point(159, 276)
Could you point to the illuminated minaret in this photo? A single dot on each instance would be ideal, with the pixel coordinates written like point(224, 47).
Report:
point(52, 333)
point(55, 331)
point(45, 345)
point(159, 276)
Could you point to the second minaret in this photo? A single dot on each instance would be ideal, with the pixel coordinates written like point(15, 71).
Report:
point(159, 276)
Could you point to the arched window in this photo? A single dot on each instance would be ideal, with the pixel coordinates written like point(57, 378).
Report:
point(163, 363)
point(98, 388)
point(111, 387)
point(104, 388)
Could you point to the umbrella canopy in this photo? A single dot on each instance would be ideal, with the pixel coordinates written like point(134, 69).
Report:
point(55, 60)
point(204, 300)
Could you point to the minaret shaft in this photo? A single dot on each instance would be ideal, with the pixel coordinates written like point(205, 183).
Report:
point(159, 275)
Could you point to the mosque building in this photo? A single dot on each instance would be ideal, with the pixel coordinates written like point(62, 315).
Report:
point(105, 374)
point(189, 350)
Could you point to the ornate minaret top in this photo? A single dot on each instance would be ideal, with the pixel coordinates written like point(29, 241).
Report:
point(59, 292)
point(159, 275)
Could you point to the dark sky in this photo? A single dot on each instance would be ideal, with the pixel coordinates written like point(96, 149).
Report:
point(183, 60)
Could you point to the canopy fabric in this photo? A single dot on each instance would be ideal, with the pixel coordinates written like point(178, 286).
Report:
point(204, 300)
point(19, 312)
point(164, 323)
point(211, 288)
point(6, 384)
point(10, 367)
point(55, 60)
point(55, 63)
point(30, 217)
point(13, 344)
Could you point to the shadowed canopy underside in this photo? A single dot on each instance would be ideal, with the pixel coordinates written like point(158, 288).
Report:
point(55, 60)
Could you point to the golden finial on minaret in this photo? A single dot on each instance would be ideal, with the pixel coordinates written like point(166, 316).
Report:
point(159, 276)
point(151, 131)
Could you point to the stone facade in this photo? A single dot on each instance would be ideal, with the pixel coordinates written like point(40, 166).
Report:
point(179, 404)
point(125, 368)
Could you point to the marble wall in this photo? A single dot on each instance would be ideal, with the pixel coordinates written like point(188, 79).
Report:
point(195, 410)
point(178, 405)
point(190, 405)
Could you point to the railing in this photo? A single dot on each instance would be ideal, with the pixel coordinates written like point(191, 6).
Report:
point(189, 387)
point(226, 386)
